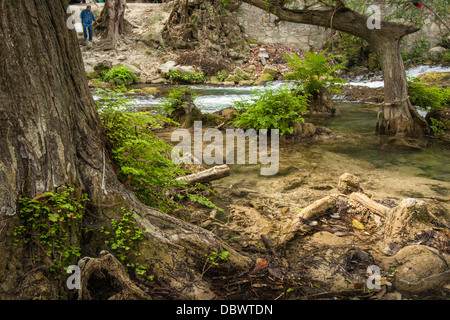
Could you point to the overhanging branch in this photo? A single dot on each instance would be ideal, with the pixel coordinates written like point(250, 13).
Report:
point(338, 17)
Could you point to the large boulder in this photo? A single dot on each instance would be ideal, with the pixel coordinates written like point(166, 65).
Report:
point(238, 71)
point(434, 77)
point(421, 269)
point(186, 74)
point(264, 78)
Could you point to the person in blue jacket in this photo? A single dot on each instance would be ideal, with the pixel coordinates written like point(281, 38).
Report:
point(86, 20)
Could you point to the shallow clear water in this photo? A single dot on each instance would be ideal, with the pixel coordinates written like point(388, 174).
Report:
point(357, 122)
point(432, 161)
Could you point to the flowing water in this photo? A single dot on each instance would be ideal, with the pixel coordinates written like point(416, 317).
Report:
point(399, 169)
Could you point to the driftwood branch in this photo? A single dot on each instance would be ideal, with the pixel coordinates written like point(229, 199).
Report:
point(215, 173)
point(369, 204)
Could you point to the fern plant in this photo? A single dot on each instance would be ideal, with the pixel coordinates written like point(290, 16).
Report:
point(272, 109)
point(120, 75)
point(315, 71)
point(143, 159)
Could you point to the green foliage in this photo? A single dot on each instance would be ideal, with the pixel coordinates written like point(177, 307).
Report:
point(47, 224)
point(222, 75)
point(419, 52)
point(351, 48)
point(272, 109)
point(405, 10)
point(144, 160)
point(174, 100)
point(204, 201)
point(186, 77)
point(438, 126)
point(446, 57)
point(119, 76)
point(124, 239)
point(428, 97)
point(314, 71)
point(216, 257)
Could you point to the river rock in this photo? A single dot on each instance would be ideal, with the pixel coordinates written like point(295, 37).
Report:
point(166, 67)
point(241, 74)
point(103, 66)
point(149, 91)
point(349, 183)
point(421, 269)
point(250, 68)
point(268, 69)
point(137, 72)
point(262, 79)
point(434, 77)
point(302, 129)
point(263, 56)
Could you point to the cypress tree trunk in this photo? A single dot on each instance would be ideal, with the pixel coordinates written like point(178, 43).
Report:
point(112, 19)
point(399, 115)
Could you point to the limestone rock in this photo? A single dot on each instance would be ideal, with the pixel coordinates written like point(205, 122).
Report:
point(268, 69)
point(421, 269)
point(250, 68)
point(262, 79)
point(238, 72)
point(302, 129)
point(103, 66)
point(166, 67)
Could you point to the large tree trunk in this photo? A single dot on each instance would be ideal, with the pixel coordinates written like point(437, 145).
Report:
point(399, 116)
point(51, 135)
point(112, 19)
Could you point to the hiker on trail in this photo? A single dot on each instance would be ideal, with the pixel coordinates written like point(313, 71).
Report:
point(86, 20)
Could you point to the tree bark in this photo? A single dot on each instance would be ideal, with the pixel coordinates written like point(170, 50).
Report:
point(112, 18)
point(51, 135)
point(399, 115)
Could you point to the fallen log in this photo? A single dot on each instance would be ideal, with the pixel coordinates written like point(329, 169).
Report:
point(369, 204)
point(215, 173)
point(317, 208)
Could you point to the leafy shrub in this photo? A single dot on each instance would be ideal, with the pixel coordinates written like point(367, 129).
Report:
point(46, 223)
point(419, 52)
point(438, 126)
point(120, 75)
point(314, 71)
point(125, 237)
point(143, 159)
point(272, 109)
point(174, 100)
